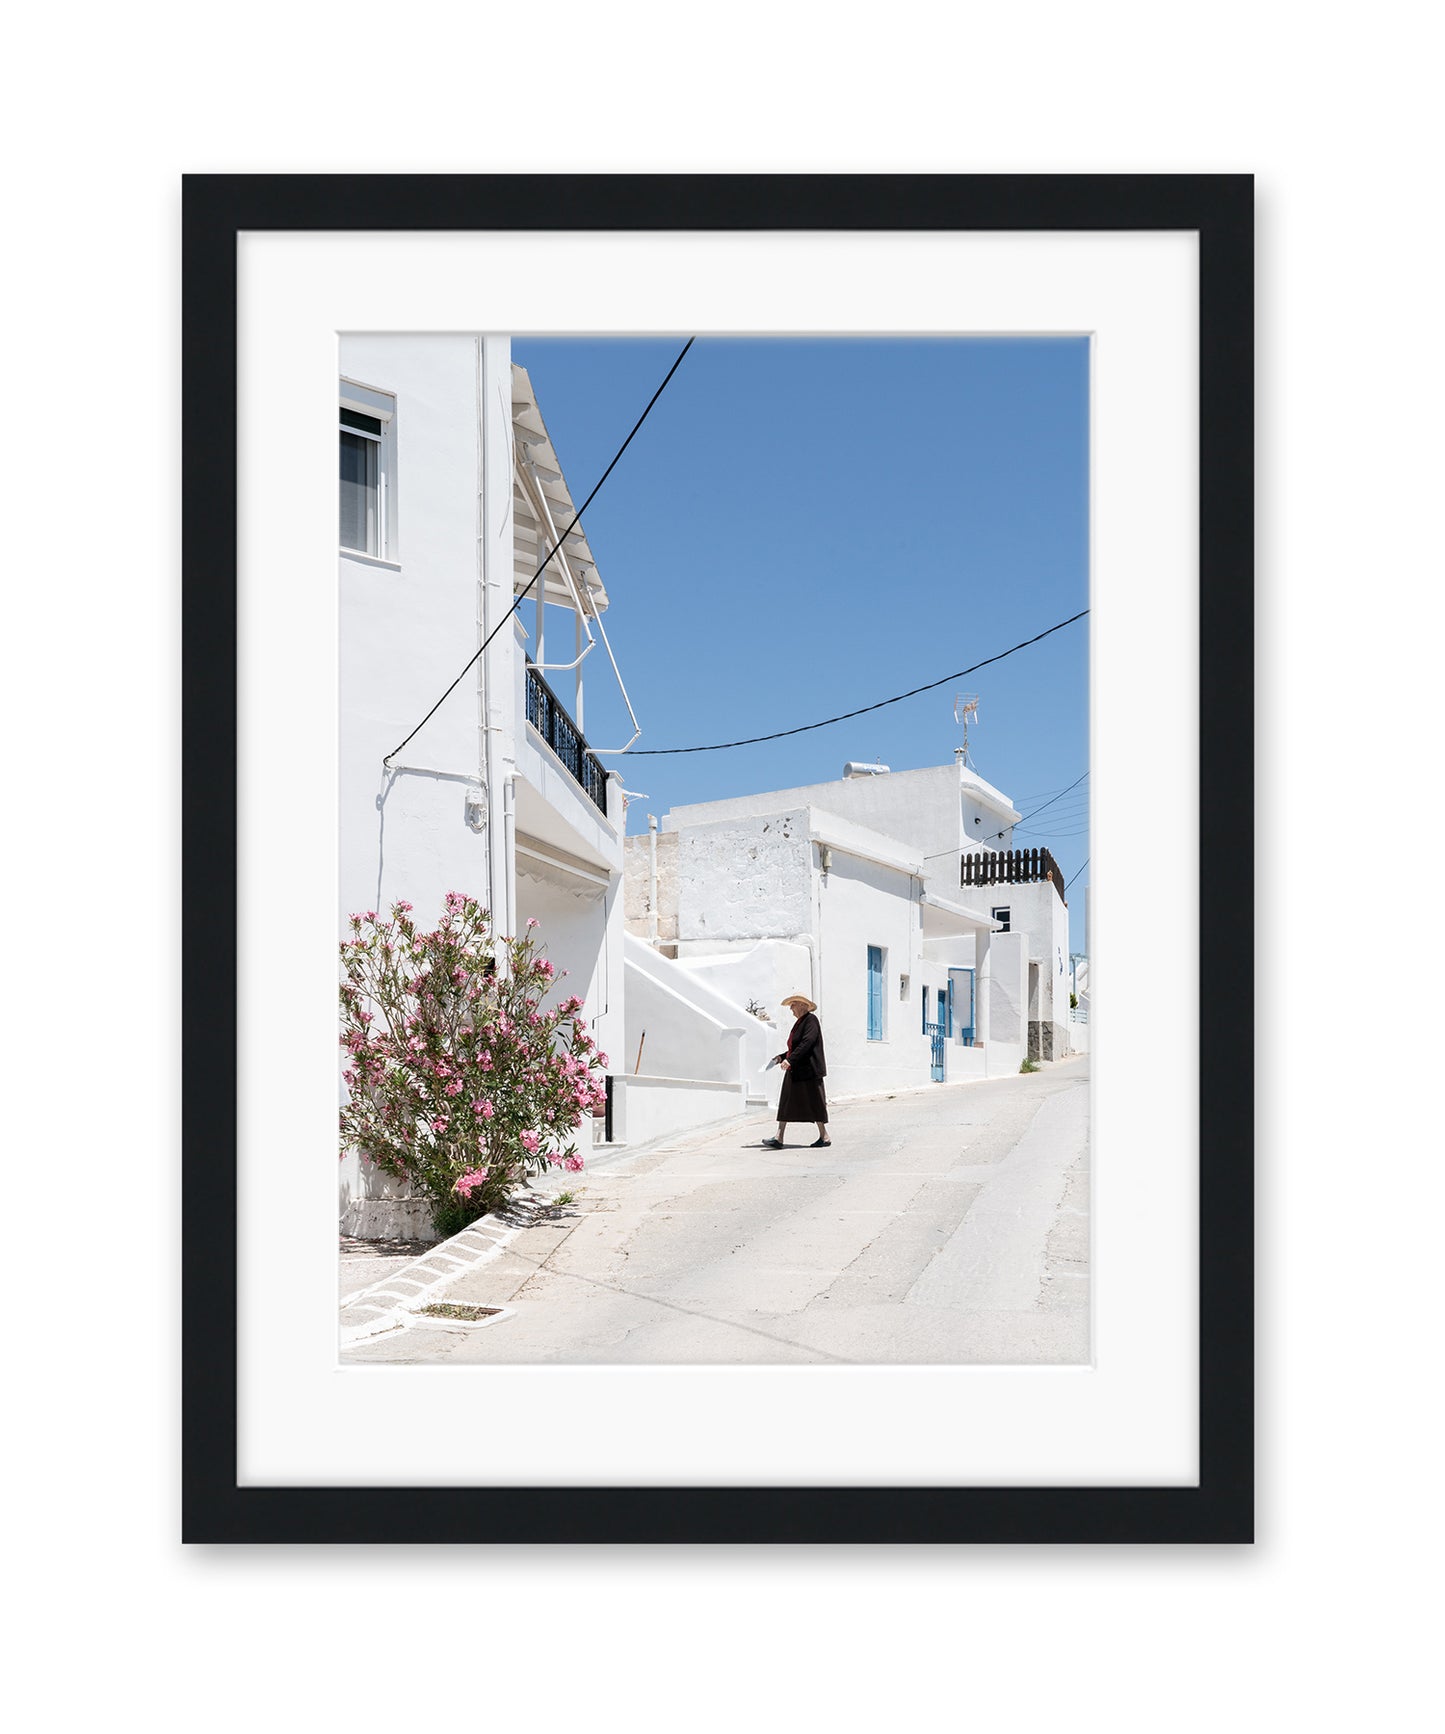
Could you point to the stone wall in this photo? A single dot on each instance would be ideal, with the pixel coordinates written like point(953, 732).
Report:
point(636, 869)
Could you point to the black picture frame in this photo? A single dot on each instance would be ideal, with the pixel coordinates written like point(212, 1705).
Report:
point(216, 209)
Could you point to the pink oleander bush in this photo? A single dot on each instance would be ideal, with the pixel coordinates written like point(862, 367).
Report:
point(461, 1078)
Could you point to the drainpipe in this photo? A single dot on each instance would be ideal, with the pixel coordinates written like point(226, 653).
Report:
point(652, 879)
point(509, 844)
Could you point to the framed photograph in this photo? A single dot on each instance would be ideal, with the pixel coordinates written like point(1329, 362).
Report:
point(722, 824)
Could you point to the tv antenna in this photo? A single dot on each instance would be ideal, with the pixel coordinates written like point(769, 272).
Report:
point(965, 710)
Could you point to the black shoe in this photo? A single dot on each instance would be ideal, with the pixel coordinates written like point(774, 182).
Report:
point(773, 1144)
point(821, 1144)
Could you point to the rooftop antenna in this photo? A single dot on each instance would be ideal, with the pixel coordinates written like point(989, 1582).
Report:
point(965, 709)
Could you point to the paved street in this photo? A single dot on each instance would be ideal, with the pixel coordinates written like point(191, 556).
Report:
point(946, 1225)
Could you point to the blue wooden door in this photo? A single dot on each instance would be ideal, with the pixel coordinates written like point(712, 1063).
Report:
point(960, 993)
point(875, 993)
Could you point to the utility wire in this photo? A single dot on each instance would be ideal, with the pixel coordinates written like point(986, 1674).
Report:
point(1062, 792)
point(522, 594)
point(781, 734)
point(1071, 881)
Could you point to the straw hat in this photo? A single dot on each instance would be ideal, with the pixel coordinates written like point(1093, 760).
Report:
point(802, 1000)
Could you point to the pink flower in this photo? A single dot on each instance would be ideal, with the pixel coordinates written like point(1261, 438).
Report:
point(365, 1017)
point(545, 968)
point(467, 1183)
point(440, 1124)
point(532, 921)
point(455, 1087)
point(573, 1164)
point(602, 1059)
point(530, 1141)
point(402, 904)
point(370, 915)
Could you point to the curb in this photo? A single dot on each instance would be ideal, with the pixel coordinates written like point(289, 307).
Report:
point(384, 1305)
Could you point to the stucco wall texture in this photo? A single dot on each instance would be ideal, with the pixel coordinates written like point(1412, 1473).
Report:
point(745, 880)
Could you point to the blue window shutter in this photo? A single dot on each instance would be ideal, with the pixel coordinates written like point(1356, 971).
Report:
point(948, 1016)
point(875, 994)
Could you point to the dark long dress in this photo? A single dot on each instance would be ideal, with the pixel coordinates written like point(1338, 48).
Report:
point(803, 1096)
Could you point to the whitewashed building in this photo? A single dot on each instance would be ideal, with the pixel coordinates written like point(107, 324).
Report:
point(934, 949)
point(450, 494)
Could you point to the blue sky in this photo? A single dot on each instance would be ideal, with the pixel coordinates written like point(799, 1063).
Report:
point(804, 526)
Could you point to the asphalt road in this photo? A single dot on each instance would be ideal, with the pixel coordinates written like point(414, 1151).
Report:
point(944, 1226)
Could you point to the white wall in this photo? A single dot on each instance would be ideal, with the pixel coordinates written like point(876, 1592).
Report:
point(760, 973)
point(680, 1028)
point(573, 930)
point(405, 627)
point(1008, 989)
point(919, 808)
point(644, 1108)
point(742, 880)
point(986, 816)
point(722, 987)
point(1040, 913)
point(861, 903)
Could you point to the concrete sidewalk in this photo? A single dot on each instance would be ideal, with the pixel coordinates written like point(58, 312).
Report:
point(942, 1226)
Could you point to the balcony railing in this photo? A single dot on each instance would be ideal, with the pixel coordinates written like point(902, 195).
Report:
point(1011, 867)
point(548, 716)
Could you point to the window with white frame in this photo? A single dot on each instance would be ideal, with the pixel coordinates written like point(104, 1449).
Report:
point(1002, 915)
point(368, 512)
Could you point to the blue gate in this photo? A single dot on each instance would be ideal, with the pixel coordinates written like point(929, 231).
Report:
point(937, 1034)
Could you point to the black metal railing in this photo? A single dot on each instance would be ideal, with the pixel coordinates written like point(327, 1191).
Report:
point(548, 716)
point(1011, 867)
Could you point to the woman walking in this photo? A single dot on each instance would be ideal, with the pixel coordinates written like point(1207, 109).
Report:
point(804, 1068)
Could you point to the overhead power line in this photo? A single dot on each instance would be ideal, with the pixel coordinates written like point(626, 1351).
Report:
point(1059, 797)
point(863, 710)
point(522, 594)
point(1071, 881)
